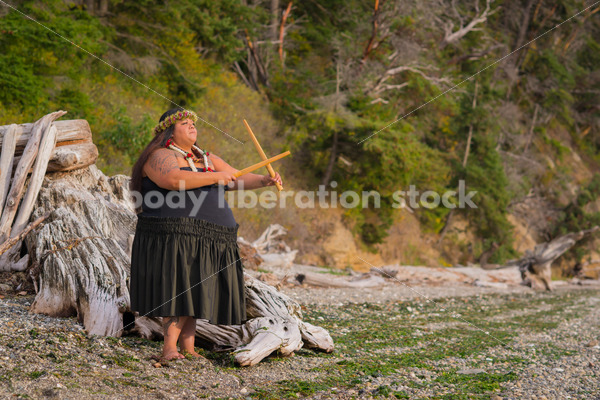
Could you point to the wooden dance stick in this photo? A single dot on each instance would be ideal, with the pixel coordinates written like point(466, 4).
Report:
point(261, 164)
point(262, 155)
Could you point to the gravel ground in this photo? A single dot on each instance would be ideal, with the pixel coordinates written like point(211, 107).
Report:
point(391, 342)
point(390, 292)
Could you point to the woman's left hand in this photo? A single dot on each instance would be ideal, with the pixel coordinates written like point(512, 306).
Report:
point(267, 180)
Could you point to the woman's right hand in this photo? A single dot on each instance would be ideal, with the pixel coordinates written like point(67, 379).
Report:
point(224, 178)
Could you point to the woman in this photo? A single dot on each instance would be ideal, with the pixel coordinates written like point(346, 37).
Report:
point(185, 263)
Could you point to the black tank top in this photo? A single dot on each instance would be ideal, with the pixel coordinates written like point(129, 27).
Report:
point(205, 203)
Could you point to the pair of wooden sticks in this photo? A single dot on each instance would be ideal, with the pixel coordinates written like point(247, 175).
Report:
point(266, 161)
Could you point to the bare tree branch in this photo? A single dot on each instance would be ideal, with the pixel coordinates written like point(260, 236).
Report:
point(238, 69)
point(375, 20)
point(453, 37)
point(282, 31)
point(380, 85)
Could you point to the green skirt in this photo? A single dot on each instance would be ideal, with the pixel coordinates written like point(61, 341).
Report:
point(187, 267)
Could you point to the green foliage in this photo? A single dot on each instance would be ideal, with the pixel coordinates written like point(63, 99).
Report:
point(130, 135)
point(216, 25)
point(32, 57)
point(388, 138)
point(561, 150)
point(589, 55)
point(575, 218)
point(41, 71)
point(486, 176)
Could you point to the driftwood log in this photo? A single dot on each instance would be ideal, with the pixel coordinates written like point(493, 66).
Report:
point(275, 325)
point(74, 147)
point(68, 132)
point(9, 142)
point(537, 263)
point(79, 256)
point(17, 187)
point(71, 156)
point(46, 145)
point(273, 251)
point(333, 281)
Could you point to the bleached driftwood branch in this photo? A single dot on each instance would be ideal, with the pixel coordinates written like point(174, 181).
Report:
point(9, 142)
point(18, 183)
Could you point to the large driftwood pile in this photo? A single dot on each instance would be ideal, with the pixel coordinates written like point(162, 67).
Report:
point(35, 149)
point(78, 247)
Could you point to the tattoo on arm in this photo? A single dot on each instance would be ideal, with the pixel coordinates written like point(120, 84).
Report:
point(163, 162)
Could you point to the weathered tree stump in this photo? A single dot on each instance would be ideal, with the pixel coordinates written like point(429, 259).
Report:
point(80, 254)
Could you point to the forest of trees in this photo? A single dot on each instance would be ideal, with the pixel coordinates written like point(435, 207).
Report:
point(346, 85)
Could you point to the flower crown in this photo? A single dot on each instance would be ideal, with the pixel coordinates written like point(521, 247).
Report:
point(171, 119)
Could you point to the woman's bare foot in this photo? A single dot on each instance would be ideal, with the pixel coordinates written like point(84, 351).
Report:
point(174, 355)
point(191, 353)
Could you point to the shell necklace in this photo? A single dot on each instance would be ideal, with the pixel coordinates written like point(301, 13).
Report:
point(189, 157)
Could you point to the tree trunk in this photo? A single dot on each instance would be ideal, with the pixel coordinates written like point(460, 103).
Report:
point(284, 17)
point(375, 21)
point(332, 158)
point(274, 19)
point(80, 254)
point(531, 128)
point(89, 6)
point(523, 28)
point(102, 7)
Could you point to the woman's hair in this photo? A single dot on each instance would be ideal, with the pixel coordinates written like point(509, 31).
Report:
point(157, 142)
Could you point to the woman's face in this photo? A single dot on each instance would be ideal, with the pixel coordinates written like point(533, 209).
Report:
point(185, 133)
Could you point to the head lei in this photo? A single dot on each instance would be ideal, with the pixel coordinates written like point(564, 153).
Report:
point(171, 119)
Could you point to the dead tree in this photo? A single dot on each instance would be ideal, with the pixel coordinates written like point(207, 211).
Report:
point(284, 17)
point(375, 19)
